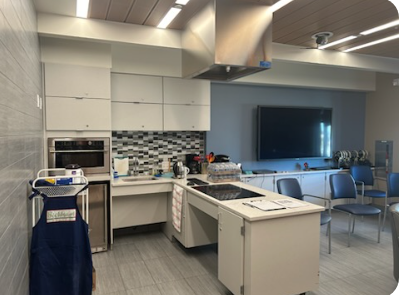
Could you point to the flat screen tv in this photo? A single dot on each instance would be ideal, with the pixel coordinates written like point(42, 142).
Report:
point(293, 133)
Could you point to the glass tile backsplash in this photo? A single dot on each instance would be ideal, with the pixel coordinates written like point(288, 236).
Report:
point(152, 147)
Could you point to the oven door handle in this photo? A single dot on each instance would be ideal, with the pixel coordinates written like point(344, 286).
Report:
point(79, 151)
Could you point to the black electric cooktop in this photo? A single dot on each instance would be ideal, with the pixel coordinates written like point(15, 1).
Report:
point(224, 192)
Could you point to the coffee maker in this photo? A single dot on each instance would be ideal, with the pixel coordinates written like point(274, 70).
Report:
point(193, 163)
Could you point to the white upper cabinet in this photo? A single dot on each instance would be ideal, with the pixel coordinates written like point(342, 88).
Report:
point(76, 114)
point(184, 91)
point(136, 116)
point(185, 117)
point(77, 81)
point(136, 88)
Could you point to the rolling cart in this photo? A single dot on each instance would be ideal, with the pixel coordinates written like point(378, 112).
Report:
point(60, 260)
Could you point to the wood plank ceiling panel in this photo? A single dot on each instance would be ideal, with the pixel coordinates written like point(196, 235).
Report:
point(283, 25)
point(159, 11)
point(306, 24)
point(99, 9)
point(377, 18)
point(187, 13)
point(119, 10)
point(351, 21)
point(140, 11)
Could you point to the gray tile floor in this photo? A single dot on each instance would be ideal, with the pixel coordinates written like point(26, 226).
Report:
point(147, 263)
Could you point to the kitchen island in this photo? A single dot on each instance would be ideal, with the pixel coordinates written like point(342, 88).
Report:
point(259, 252)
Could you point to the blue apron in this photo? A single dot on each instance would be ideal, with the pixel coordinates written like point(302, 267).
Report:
point(60, 262)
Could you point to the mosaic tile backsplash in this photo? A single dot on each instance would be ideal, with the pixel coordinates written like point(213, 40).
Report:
point(152, 147)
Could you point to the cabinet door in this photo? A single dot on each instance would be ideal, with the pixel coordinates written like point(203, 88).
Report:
point(255, 181)
point(136, 116)
point(68, 113)
point(267, 182)
point(231, 251)
point(314, 184)
point(77, 81)
point(187, 118)
point(136, 88)
point(182, 91)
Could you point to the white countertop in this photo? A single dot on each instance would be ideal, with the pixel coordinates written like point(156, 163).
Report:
point(235, 206)
point(292, 173)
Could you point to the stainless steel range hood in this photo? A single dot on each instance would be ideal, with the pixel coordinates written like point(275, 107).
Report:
point(226, 40)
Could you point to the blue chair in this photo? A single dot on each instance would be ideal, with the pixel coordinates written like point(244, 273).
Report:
point(392, 191)
point(343, 187)
point(290, 187)
point(363, 176)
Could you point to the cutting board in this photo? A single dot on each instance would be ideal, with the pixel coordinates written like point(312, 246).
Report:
point(121, 165)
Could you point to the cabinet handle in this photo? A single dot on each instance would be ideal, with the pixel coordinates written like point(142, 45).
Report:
point(79, 97)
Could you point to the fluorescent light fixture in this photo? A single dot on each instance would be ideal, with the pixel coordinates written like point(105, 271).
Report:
point(396, 3)
point(337, 42)
point(169, 17)
point(276, 6)
point(182, 2)
point(82, 8)
point(380, 28)
point(373, 43)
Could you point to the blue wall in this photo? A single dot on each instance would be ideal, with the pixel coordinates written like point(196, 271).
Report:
point(233, 121)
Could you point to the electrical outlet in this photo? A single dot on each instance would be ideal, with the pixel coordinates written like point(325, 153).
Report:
point(38, 100)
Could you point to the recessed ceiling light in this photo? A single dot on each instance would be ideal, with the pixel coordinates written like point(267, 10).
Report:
point(337, 42)
point(373, 43)
point(170, 16)
point(82, 8)
point(380, 28)
point(276, 6)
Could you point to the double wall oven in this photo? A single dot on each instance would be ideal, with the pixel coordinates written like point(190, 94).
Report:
point(93, 155)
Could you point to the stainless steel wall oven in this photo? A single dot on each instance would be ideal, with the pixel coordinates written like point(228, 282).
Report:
point(92, 154)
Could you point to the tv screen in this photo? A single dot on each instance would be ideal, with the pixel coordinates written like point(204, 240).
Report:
point(293, 132)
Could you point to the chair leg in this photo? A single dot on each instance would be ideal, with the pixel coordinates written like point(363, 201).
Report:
point(349, 229)
point(329, 237)
point(385, 216)
point(353, 225)
point(379, 226)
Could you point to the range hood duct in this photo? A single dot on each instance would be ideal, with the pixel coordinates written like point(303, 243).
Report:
point(226, 40)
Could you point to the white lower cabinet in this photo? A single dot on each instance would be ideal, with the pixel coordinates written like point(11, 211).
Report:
point(77, 114)
point(136, 116)
point(314, 184)
point(231, 251)
point(265, 182)
point(187, 117)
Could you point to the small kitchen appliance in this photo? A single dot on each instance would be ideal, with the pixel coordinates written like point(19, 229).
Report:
point(193, 163)
point(179, 170)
